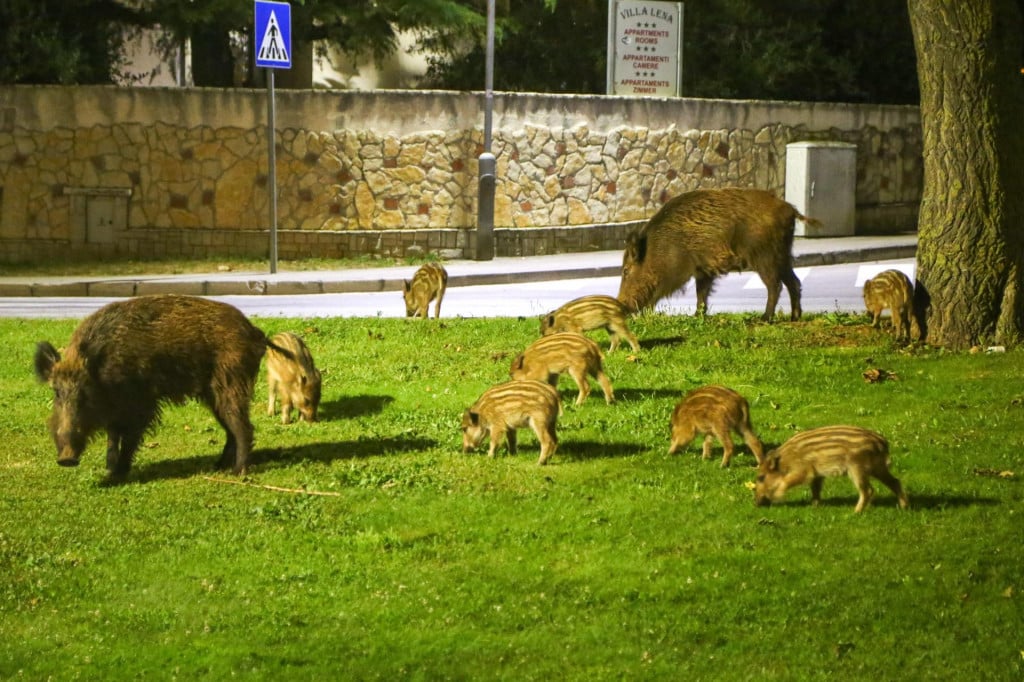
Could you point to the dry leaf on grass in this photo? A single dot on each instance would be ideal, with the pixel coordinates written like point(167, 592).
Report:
point(632, 358)
point(994, 473)
point(877, 375)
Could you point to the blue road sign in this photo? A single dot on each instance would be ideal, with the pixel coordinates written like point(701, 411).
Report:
point(273, 35)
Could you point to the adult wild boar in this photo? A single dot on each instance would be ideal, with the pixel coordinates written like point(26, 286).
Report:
point(706, 233)
point(129, 358)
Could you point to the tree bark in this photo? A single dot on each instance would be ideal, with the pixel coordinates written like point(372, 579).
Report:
point(970, 257)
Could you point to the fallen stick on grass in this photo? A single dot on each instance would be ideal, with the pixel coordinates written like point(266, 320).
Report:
point(275, 488)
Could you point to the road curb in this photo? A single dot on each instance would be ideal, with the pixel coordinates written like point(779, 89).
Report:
point(249, 285)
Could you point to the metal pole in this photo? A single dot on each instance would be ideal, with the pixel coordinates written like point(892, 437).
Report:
point(272, 170)
point(489, 77)
point(609, 77)
point(486, 164)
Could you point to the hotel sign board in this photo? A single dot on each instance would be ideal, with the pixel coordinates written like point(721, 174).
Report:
point(645, 41)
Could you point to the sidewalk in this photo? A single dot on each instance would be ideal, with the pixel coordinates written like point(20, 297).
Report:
point(806, 252)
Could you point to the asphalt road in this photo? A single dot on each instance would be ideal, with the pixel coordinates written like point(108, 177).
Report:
point(825, 289)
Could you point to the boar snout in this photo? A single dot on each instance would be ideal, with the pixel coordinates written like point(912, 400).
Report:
point(66, 457)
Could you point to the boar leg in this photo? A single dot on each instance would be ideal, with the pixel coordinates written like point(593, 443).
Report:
point(606, 386)
point(753, 442)
point(238, 443)
point(272, 396)
point(511, 438)
point(863, 483)
point(774, 287)
point(895, 486)
point(709, 443)
point(437, 306)
point(286, 410)
point(792, 283)
point(704, 284)
point(548, 442)
point(613, 338)
point(727, 445)
point(583, 383)
point(121, 447)
point(816, 483)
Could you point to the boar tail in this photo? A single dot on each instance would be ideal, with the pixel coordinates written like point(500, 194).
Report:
point(278, 349)
point(813, 222)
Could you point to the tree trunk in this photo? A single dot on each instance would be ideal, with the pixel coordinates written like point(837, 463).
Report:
point(970, 256)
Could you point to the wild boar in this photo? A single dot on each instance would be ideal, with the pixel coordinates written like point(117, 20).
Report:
point(509, 406)
point(591, 312)
point(828, 451)
point(428, 283)
point(549, 356)
point(706, 233)
point(714, 411)
point(892, 289)
point(129, 358)
point(294, 376)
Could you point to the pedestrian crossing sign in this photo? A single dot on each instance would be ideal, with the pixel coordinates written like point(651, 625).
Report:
point(273, 34)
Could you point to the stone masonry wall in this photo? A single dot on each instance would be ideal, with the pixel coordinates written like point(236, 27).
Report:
point(150, 173)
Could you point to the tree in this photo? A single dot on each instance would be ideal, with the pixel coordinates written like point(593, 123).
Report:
point(56, 42)
point(839, 50)
point(970, 258)
point(355, 26)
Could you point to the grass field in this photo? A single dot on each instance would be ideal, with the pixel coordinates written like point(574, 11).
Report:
point(615, 561)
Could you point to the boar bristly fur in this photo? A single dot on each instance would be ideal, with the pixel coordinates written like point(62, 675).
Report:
point(814, 455)
point(294, 377)
point(129, 358)
point(502, 409)
point(591, 312)
point(892, 289)
point(428, 283)
point(715, 411)
point(566, 352)
point(707, 233)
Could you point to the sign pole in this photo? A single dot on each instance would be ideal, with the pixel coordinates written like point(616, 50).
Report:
point(487, 164)
point(272, 169)
point(273, 44)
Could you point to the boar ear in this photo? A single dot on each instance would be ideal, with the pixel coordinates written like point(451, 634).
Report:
point(772, 461)
point(518, 362)
point(474, 418)
point(406, 285)
point(46, 357)
point(639, 248)
point(551, 320)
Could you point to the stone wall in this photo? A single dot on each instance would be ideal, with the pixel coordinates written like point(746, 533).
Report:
point(149, 173)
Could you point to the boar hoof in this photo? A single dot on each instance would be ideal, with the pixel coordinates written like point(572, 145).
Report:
point(67, 461)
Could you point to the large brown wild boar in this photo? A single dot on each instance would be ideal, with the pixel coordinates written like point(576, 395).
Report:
point(428, 283)
point(591, 312)
point(502, 409)
point(892, 289)
point(294, 376)
point(714, 411)
point(706, 233)
point(549, 356)
point(823, 452)
point(129, 358)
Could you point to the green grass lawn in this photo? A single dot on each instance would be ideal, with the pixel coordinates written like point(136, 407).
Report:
point(615, 561)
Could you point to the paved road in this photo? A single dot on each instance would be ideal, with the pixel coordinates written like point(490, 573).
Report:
point(825, 289)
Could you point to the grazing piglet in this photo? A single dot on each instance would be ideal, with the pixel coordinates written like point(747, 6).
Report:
point(892, 289)
point(294, 377)
point(707, 233)
point(509, 406)
point(715, 411)
point(591, 312)
point(428, 283)
point(827, 451)
point(129, 358)
point(549, 356)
